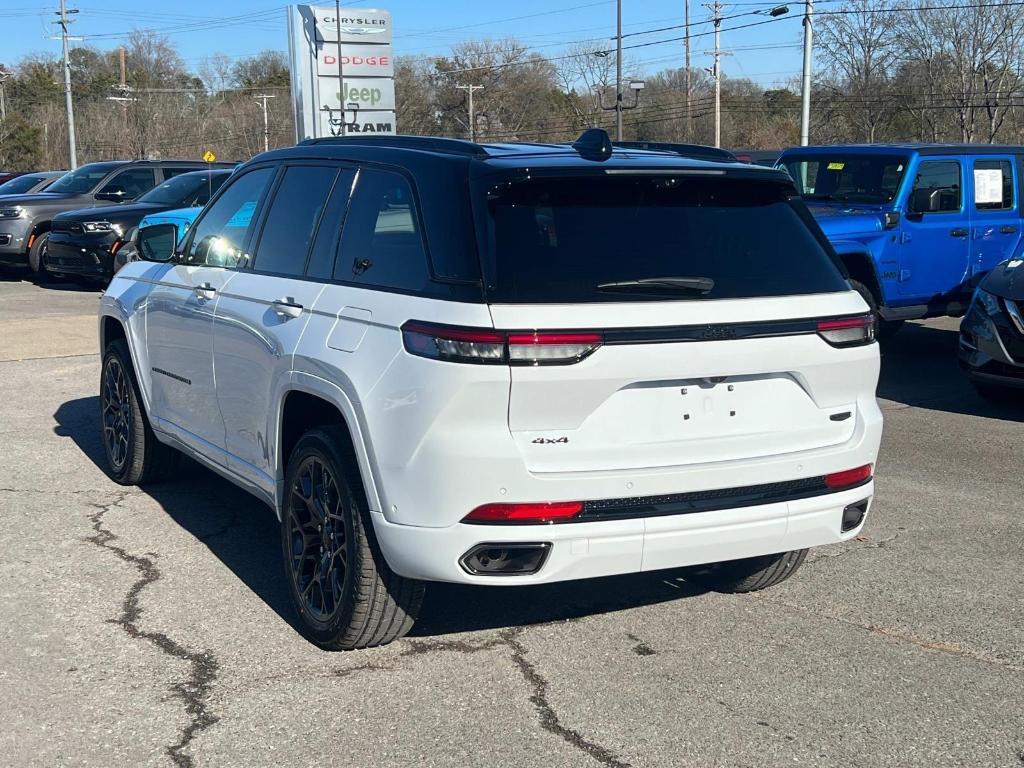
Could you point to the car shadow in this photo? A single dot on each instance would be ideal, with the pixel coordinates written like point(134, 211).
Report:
point(243, 534)
point(919, 368)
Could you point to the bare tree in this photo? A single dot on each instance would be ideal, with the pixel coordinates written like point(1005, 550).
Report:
point(860, 50)
point(971, 61)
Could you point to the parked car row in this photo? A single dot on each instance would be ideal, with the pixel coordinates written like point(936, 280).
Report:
point(929, 231)
point(438, 360)
point(30, 219)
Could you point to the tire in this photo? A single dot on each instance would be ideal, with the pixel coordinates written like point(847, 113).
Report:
point(884, 329)
point(134, 456)
point(35, 256)
point(751, 574)
point(342, 589)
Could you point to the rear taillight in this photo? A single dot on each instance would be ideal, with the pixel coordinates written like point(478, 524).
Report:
point(456, 345)
point(848, 477)
point(848, 331)
point(551, 348)
point(540, 512)
point(473, 345)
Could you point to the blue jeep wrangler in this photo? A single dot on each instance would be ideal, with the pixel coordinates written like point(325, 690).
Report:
point(917, 226)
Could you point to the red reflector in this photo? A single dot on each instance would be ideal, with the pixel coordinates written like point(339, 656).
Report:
point(555, 338)
point(848, 477)
point(525, 513)
point(115, 247)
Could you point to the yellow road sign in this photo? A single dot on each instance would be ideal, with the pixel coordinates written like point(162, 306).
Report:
point(208, 156)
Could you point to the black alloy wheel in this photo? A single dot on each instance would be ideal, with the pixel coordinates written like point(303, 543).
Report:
point(117, 413)
point(318, 531)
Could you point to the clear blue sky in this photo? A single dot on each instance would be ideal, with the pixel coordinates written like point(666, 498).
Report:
point(768, 53)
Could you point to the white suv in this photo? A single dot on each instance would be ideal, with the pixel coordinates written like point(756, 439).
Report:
point(500, 365)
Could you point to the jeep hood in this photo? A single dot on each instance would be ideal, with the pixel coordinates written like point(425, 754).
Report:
point(837, 221)
point(1006, 280)
point(180, 217)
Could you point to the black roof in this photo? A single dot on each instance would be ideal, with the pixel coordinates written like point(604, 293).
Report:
point(512, 155)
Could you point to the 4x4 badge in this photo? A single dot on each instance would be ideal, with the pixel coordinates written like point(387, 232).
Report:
point(549, 440)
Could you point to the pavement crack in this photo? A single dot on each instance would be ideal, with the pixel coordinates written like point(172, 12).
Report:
point(194, 692)
point(934, 646)
point(339, 673)
point(549, 719)
point(420, 647)
point(849, 550)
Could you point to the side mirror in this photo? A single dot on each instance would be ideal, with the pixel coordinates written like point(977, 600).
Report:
point(156, 242)
point(115, 194)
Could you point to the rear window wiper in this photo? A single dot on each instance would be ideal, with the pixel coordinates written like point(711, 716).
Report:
point(695, 284)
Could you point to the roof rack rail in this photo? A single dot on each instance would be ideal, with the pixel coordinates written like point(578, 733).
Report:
point(431, 143)
point(696, 151)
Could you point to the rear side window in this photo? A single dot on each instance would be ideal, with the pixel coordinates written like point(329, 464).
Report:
point(293, 217)
point(381, 244)
point(993, 185)
point(569, 240)
point(132, 183)
point(937, 187)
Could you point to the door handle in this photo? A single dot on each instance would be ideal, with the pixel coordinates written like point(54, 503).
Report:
point(205, 291)
point(1007, 230)
point(958, 232)
point(286, 307)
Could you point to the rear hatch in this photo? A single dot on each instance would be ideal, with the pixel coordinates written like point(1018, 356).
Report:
point(670, 320)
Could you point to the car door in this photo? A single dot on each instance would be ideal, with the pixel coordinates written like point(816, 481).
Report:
point(262, 313)
point(180, 311)
point(936, 231)
point(995, 211)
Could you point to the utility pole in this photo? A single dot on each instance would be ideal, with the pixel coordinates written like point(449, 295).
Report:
point(689, 83)
point(618, 70)
point(64, 21)
point(266, 129)
point(4, 75)
point(472, 115)
point(805, 96)
point(718, 73)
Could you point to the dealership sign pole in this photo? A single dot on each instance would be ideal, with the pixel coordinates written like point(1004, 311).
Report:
point(342, 71)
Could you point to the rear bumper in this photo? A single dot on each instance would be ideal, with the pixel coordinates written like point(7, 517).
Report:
point(587, 550)
point(74, 255)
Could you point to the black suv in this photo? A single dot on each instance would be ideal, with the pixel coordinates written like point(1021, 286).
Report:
point(25, 220)
point(86, 242)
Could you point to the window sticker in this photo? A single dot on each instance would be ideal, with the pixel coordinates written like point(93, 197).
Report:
point(243, 215)
point(988, 185)
point(836, 166)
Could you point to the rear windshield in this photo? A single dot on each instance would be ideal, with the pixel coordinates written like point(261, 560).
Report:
point(846, 178)
point(82, 180)
point(607, 238)
point(188, 190)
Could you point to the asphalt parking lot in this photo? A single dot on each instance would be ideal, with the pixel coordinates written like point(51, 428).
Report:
point(151, 627)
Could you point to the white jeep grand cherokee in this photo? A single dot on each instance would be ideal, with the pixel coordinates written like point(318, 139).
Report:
point(501, 365)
